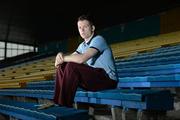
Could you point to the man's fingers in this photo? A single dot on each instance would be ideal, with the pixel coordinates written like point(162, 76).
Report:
point(59, 59)
point(57, 62)
point(60, 56)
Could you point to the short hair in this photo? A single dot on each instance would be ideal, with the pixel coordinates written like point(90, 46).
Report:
point(86, 17)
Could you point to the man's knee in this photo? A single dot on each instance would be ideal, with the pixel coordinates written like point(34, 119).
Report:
point(71, 65)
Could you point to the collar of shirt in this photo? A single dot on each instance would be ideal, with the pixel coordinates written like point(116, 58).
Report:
point(89, 41)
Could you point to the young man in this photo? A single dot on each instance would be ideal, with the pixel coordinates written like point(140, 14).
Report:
point(90, 67)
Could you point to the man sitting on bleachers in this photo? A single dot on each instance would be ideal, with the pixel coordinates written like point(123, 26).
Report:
point(90, 67)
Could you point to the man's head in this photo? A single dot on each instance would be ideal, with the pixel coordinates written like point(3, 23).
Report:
point(85, 26)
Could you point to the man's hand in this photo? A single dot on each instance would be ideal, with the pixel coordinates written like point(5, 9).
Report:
point(59, 59)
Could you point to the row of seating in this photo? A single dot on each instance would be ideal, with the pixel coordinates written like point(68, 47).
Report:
point(18, 76)
point(160, 52)
point(141, 99)
point(29, 111)
point(145, 71)
point(36, 70)
point(133, 47)
point(157, 71)
point(108, 96)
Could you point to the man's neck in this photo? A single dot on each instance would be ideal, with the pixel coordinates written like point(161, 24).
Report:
point(88, 39)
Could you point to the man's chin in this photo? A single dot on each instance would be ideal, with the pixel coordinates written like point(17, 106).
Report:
point(83, 37)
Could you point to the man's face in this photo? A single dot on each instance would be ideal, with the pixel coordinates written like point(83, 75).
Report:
point(85, 29)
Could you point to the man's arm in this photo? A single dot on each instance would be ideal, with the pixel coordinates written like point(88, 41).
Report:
point(80, 58)
point(75, 57)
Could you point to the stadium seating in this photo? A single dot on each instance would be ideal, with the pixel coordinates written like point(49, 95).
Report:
point(158, 68)
point(29, 111)
point(17, 76)
point(138, 77)
point(133, 47)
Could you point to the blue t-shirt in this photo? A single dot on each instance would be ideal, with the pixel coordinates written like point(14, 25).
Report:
point(103, 59)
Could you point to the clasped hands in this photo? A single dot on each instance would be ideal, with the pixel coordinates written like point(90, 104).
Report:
point(59, 59)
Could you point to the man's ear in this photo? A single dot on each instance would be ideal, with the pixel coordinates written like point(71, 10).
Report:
point(93, 28)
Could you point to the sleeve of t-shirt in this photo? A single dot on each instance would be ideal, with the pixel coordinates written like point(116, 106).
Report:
point(98, 43)
point(79, 50)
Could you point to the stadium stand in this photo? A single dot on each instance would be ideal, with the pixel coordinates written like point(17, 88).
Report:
point(139, 76)
point(17, 76)
point(133, 47)
point(29, 111)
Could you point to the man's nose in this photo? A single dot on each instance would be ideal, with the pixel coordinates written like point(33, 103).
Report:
point(82, 29)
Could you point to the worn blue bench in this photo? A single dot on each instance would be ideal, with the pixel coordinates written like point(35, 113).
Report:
point(147, 71)
point(160, 68)
point(140, 100)
point(29, 111)
point(140, 75)
point(124, 98)
point(41, 85)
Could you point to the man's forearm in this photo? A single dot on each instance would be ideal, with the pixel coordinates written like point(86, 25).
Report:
point(77, 58)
